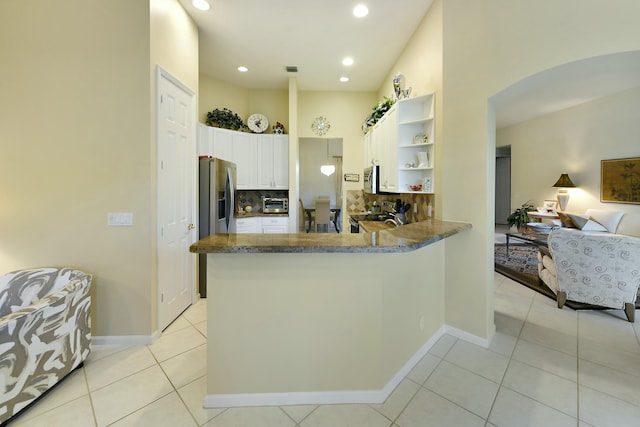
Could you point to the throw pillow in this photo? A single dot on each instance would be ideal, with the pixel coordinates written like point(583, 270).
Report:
point(609, 219)
point(586, 223)
point(565, 220)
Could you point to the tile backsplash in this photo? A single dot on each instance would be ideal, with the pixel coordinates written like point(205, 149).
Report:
point(253, 198)
point(359, 201)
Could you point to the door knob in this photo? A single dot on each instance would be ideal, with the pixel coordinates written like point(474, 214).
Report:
point(191, 227)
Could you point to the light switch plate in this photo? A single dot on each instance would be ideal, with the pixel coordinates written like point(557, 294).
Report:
point(120, 219)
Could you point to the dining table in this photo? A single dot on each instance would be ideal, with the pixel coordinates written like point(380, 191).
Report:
point(333, 209)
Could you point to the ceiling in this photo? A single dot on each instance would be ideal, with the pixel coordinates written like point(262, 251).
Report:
point(267, 36)
point(566, 86)
point(316, 35)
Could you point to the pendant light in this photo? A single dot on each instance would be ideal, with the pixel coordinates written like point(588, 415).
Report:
point(327, 169)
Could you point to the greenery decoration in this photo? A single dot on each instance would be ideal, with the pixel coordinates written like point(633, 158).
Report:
point(226, 119)
point(378, 111)
point(520, 216)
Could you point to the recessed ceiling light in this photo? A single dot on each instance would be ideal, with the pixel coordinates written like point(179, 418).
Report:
point(243, 69)
point(201, 4)
point(360, 11)
point(347, 61)
point(344, 79)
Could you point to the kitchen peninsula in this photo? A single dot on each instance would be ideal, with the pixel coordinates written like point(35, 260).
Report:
point(321, 318)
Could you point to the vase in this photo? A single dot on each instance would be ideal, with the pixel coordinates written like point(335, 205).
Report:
point(423, 159)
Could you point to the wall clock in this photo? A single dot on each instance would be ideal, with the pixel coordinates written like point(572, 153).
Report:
point(320, 125)
point(257, 123)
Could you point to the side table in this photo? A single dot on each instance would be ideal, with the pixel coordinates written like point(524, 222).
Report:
point(539, 216)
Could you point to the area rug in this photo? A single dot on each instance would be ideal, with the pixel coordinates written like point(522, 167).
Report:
point(522, 266)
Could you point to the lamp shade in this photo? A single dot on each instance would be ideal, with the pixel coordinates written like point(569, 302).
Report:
point(564, 182)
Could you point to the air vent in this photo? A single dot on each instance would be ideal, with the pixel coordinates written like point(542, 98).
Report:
point(291, 69)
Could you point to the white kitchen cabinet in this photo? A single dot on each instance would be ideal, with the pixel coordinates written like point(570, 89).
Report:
point(273, 162)
point(262, 160)
point(214, 142)
point(415, 142)
point(205, 140)
point(368, 150)
point(271, 225)
point(222, 144)
point(263, 224)
point(384, 146)
point(249, 225)
point(245, 156)
point(402, 143)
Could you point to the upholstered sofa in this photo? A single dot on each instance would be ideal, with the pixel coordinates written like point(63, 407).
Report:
point(44, 332)
point(595, 262)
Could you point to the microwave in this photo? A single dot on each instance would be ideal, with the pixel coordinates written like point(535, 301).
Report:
point(372, 179)
point(275, 205)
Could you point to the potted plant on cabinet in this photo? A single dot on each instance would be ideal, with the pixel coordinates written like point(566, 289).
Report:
point(226, 119)
point(520, 216)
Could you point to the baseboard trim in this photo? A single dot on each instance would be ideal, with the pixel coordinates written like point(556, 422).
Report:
point(125, 340)
point(473, 339)
point(323, 398)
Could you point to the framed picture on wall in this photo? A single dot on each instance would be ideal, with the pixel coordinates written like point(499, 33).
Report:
point(620, 180)
point(550, 206)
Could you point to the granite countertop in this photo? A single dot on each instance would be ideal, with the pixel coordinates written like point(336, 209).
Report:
point(400, 239)
point(371, 226)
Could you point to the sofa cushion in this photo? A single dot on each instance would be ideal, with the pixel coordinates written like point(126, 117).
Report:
point(629, 225)
point(608, 219)
point(586, 223)
point(565, 220)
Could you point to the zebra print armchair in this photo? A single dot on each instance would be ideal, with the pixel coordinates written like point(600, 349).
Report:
point(45, 332)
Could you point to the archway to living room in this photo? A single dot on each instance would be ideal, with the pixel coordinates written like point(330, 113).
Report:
point(566, 120)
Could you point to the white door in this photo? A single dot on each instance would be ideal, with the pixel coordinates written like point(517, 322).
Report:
point(176, 195)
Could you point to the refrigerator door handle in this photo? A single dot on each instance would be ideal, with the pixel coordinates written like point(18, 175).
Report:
point(228, 189)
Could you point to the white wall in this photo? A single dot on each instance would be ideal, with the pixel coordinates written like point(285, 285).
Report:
point(574, 141)
point(490, 46)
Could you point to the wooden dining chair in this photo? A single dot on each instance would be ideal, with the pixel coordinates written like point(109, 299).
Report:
point(308, 219)
point(323, 213)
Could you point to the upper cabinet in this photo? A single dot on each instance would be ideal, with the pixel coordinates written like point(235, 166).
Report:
point(402, 144)
point(415, 144)
point(215, 142)
point(245, 156)
point(273, 152)
point(262, 160)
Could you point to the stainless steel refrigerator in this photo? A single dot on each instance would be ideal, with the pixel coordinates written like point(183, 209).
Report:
point(216, 201)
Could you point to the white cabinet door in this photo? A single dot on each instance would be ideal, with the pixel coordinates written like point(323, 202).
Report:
point(281, 162)
point(246, 159)
point(384, 148)
point(265, 161)
point(389, 149)
point(271, 225)
point(214, 142)
point(368, 153)
point(205, 140)
point(273, 162)
point(249, 225)
point(222, 147)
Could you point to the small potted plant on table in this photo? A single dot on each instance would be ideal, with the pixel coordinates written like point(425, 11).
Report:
point(520, 216)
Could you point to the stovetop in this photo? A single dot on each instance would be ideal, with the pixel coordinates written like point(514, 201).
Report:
point(369, 217)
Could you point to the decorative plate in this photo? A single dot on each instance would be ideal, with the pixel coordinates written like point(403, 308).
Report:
point(320, 125)
point(257, 123)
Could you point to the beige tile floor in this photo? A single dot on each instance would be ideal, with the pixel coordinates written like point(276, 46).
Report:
point(545, 367)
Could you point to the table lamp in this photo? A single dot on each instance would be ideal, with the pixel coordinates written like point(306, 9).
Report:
point(563, 183)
